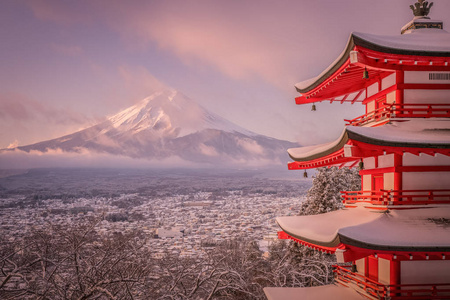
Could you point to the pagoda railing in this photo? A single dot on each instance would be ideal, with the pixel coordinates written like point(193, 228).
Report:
point(378, 290)
point(397, 197)
point(388, 111)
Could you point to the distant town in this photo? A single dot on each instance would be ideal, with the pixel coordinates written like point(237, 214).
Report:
point(178, 212)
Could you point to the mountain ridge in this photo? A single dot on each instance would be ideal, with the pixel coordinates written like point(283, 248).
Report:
point(168, 124)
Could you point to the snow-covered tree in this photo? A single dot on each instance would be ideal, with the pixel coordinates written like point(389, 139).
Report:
point(324, 195)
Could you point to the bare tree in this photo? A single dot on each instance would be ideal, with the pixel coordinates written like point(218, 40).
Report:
point(74, 263)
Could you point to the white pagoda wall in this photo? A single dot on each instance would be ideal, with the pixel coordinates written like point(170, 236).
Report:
point(424, 77)
point(426, 180)
point(410, 180)
point(388, 81)
point(424, 272)
point(377, 87)
point(425, 160)
point(425, 96)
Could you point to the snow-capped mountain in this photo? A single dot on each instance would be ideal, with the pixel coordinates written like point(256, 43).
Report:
point(168, 124)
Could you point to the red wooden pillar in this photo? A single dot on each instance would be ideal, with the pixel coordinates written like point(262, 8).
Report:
point(395, 275)
point(399, 80)
point(398, 162)
point(373, 268)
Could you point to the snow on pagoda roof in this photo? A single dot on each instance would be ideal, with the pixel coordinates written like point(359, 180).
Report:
point(318, 292)
point(419, 42)
point(419, 133)
point(423, 229)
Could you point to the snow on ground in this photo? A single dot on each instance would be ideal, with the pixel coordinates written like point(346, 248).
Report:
point(325, 292)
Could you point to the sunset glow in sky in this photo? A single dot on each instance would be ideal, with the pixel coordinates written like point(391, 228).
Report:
point(66, 64)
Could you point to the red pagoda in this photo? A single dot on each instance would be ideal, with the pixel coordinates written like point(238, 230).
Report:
point(393, 234)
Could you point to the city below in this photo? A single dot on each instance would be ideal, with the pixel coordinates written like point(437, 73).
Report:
point(182, 212)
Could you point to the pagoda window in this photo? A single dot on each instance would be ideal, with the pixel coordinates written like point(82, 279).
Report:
point(366, 182)
point(389, 181)
point(361, 266)
point(386, 161)
point(388, 81)
point(384, 271)
point(369, 163)
point(373, 89)
point(390, 97)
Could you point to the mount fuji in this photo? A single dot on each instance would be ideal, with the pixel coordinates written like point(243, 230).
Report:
point(168, 124)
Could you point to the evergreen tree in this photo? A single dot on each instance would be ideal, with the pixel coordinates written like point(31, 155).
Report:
point(324, 195)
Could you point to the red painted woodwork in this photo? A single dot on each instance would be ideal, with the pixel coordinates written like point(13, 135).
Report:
point(348, 78)
point(373, 268)
point(404, 169)
point(387, 61)
point(284, 236)
point(399, 79)
point(344, 276)
point(386, 111)
point(396, 197)
point(395, 272)
point(377, 182)
point(361, 150)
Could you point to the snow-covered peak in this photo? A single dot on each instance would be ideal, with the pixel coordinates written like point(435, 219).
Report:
point(170, 111)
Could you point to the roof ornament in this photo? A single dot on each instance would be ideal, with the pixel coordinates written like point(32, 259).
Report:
point(421, 8)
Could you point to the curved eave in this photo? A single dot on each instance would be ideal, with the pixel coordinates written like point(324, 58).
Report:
point(357, 41)
point(364, 145)
point(399, 51)
point(342, 241)
point(332, 150)
point(390, 248)
point(343, 58)
point(330, 244)
point(360, 230)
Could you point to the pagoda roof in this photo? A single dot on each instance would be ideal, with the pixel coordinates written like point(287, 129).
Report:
point(413, 230)
point(427, 48)
point(414, 136)
point(318, 293)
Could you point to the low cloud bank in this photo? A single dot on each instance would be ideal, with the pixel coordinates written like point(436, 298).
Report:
point(18, 159)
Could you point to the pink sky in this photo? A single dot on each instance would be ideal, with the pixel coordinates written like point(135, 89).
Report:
point(68, 64)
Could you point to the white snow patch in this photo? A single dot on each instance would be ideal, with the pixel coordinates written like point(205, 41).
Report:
point(317, 292)
point(424, 39)
point(414, 131)
point(407, 228)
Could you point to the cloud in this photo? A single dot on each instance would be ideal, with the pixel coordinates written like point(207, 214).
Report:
point(61, 12)
point(28, 120)
point(241, 40)
point(17, 159)
point(251, 146)
point(67, 50)
point(228, 36)
point(18, 107)
point(139, 82)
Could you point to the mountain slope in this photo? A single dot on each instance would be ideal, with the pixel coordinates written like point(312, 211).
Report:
point(168, 124)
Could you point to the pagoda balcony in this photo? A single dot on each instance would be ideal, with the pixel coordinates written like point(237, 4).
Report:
point(376, 290)
point(391, 111)
point(396, 197)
